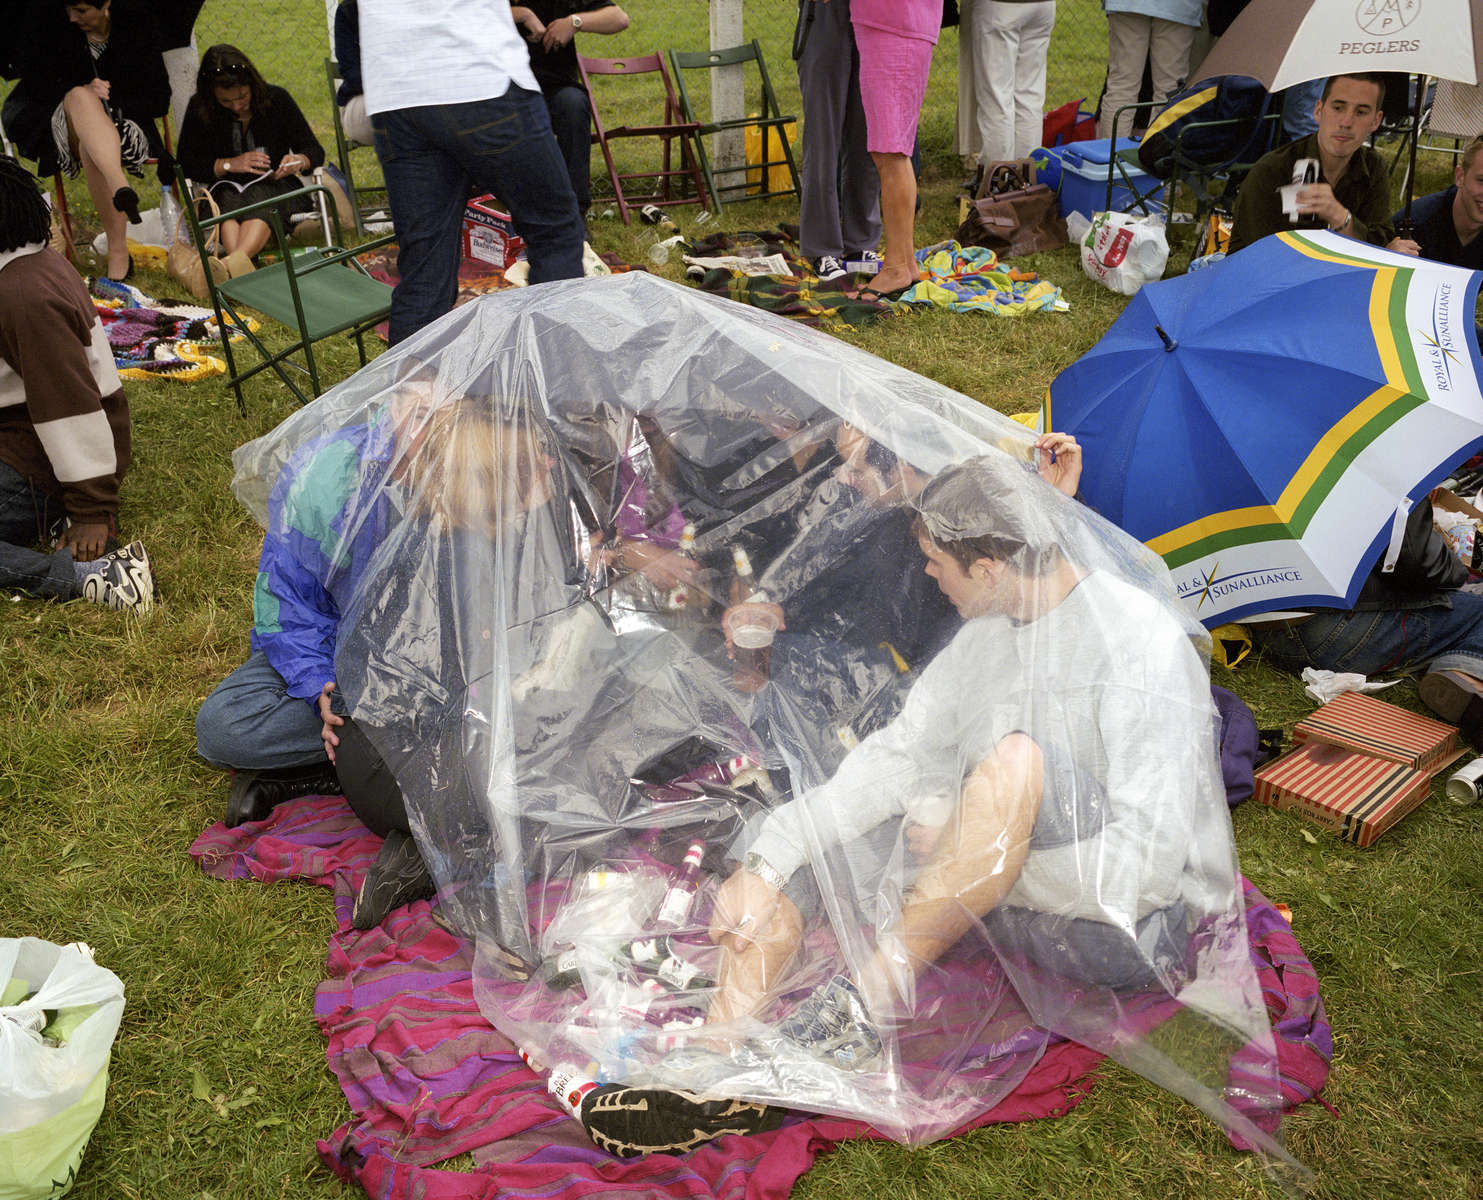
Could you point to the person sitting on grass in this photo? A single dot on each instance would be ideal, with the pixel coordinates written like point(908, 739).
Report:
point(1448, 222)
point(1061, 837)
point(64, 422)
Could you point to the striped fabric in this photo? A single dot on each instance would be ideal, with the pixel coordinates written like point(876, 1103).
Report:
point(427, 1078)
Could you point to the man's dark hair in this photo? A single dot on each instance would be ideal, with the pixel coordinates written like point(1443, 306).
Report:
point(24, 216)
point(983, 508)
point(1363, 77)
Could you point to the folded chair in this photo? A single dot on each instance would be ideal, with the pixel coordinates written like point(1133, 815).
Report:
point(666, 185)
point(316, 292)
point(765, 116)
point(345, 146)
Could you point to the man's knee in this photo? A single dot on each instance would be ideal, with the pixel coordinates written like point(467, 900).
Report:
point(569, 111)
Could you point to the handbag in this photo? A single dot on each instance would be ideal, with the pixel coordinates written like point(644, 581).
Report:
point(182, 262)
point(1011, 216)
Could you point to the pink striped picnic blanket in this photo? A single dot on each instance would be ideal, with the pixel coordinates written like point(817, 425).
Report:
point(428, 1078)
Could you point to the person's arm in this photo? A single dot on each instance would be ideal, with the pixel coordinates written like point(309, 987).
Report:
point(347, 51)
point(295, 622)
point(198, 151)
point(1258, 206)
point(293, 135)
point(58, 353)
point(607, 19)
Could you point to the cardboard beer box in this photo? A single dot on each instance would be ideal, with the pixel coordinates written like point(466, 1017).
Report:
point(1354, 795)
point(1371, 726)
point(489, 234)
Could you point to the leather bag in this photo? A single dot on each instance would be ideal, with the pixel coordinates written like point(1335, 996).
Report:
point(183, 264)
point(1012, 216)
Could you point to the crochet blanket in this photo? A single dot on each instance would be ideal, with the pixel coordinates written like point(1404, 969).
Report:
point(427, 1078)
point(157, 338)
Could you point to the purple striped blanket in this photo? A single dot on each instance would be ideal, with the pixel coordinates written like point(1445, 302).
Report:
point(427, 1078)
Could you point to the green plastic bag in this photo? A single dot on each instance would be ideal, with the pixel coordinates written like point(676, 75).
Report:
point(51, 1087)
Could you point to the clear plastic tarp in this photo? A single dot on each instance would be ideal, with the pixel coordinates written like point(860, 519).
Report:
point(648, 585)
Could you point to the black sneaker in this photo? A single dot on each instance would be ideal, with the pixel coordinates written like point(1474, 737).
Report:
point(125, 580)
point(832, 1024)
point(255, 794)
point(629, 1122)
point(398, 876)
point(827, 267)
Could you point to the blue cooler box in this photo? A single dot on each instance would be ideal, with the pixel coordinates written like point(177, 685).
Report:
point(1078, 173)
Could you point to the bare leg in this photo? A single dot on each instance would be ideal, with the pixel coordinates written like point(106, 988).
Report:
point(248, 236)
point(898, 220)
point(95, 142)
point(971, 871)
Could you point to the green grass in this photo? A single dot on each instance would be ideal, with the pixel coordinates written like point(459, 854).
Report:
point(101, 793)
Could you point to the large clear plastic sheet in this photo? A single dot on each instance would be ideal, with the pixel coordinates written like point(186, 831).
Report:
point(992, 792)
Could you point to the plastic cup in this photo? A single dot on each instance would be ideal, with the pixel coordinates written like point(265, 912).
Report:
point(753, 628)
point(1289, 193)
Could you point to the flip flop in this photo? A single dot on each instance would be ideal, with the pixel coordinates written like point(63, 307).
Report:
point(873, 295)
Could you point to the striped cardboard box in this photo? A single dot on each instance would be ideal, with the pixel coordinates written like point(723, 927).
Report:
point(1373, 727)
point(1355, 795)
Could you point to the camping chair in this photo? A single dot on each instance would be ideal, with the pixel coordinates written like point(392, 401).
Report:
point(1146, 194)
point(345, 146)
point(1212, 185)
point(666, 185)
point(1452, 120)
point(767, 120)
point(315, 291)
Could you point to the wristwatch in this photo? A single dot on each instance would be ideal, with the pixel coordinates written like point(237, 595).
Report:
point(576, 21)
point(764, 871)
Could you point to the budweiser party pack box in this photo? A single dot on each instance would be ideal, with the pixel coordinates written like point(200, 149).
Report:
point(1359, 722)
point(1357, 796)
point(489, 234)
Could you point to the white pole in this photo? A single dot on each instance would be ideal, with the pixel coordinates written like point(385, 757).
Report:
point(728, 98)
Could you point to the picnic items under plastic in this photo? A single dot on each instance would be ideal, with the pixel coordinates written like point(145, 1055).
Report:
point(583, 772)
point(59, 1013)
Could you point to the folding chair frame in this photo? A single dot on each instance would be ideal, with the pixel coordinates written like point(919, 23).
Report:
point(771, 122)
point(344, 145)
point(673, 128)
point(231, 297)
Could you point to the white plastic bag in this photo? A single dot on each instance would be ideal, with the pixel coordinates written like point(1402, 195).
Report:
point(1121, 251)
point(51, 1095)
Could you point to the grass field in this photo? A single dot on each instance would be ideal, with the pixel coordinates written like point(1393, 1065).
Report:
point(101, 793)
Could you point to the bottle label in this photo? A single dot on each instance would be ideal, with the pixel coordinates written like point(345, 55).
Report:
point(570, 1085)
point(676, 906)
point(677, 972)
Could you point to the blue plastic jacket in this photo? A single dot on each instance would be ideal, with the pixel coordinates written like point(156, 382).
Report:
point(320, 537)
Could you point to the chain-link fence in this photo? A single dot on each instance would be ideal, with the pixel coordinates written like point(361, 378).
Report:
point(289, 40)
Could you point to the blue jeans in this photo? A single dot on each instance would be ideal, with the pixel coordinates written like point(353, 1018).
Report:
point(434, 157)
point(250, 722)
point(1410, 640)
point(571, 121)
point(1297, 109)
point(30, 514)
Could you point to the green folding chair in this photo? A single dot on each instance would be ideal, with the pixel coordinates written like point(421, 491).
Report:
point(315, 291)
point(766, 117)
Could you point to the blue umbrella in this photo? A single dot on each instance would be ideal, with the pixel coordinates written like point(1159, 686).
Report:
point(1261, 422)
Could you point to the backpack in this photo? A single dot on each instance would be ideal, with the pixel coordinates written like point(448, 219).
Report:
point(1243, 747)
point(1237, 98)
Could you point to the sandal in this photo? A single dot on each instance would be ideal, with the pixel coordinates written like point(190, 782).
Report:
point(872, 295)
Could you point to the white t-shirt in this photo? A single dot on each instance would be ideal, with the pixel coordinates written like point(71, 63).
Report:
point(416, 53)
point(1110, 682)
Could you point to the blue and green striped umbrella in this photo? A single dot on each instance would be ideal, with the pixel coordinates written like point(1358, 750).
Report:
point(1261, 422)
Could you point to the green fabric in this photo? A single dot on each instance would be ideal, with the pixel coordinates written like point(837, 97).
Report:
point(65, 1023)
point(13, 992)
point(42, 1161)
point(319, 495)
point(265, 612)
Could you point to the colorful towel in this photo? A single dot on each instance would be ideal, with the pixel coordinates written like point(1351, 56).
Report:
point(800, 296)
point(427, 1078)
point(157, 338)
point(970, 279)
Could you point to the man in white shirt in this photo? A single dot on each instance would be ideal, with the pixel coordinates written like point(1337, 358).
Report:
point(456, 111)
